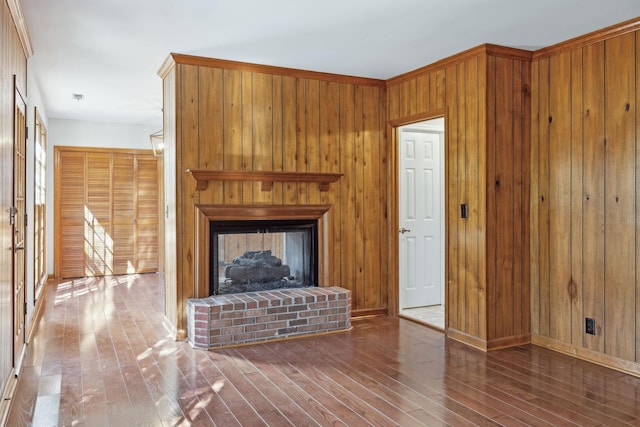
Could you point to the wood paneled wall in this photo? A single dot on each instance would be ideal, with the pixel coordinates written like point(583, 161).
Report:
point(585, 197)
point(13, 62)
point(484, 96)
point(235, 116)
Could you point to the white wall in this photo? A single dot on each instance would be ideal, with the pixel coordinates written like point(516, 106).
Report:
point(77, 133)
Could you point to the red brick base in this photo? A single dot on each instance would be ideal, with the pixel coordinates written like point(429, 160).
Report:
point(236, 319)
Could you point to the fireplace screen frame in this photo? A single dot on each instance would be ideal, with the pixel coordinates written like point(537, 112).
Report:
point(309, 227)
point(205, 214)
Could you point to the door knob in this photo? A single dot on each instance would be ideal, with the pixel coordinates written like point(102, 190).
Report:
point(404, 230)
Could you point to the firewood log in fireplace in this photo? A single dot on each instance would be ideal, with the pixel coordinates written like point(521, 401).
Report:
point(258, 266)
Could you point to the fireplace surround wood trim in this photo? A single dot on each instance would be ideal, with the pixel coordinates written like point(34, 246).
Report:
point(207, 213)
point(267, 178)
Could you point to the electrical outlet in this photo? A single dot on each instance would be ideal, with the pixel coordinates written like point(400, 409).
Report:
point(590, 325)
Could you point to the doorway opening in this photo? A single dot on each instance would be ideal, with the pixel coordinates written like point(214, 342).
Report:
point(421, 222)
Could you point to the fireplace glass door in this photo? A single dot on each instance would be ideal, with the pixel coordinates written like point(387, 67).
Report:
point(249, 256)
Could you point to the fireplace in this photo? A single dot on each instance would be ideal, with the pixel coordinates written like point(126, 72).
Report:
point(279, 235)
point(262, 255)
point(296, 235)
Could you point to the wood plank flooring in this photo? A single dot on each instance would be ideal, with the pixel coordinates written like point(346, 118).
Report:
point(100, 357)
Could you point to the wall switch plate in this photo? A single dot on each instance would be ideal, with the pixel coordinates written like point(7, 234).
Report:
point(590, 325)
point(464, 211)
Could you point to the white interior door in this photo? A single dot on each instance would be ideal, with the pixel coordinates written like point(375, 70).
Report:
point(421, 225)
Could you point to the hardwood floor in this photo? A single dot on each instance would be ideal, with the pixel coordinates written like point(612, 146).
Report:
point(100, 357)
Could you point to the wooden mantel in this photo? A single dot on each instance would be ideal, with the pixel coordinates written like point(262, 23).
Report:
point(267, 178)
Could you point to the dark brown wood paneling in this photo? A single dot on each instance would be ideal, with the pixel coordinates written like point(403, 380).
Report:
point(211, 115)
point(485, 96)
point(589, 170)
point(232, 132)
point(637, 156)
point(500, 296)
point(534, 196)
point(620, 197)
point(188, 92)
point(559, 197)
point(472, 76)
point(463, 177)
point(170, 182)
point(455, 289)
point(260, 120)
point(347, 216)
point(593, 187)
point(542, 199)
point(576, 282)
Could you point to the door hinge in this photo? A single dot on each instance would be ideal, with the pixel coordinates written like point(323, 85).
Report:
point(26, 133)
point(26, 220)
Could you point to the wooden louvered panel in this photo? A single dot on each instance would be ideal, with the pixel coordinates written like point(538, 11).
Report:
point(99, 187)
point(108, 212)
point(123, 249)
point(147, 247)
point(147, 192)
point(71, 214)
point(98, 241)
point(147, 188)
point(123, 213)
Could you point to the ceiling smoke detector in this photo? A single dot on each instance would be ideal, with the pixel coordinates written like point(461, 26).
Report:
point(77, 96)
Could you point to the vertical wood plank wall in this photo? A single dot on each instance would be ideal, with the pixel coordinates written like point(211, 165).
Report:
point(585, 198)
point(13, 61)
point(230, 116)
point(484, 96)
point(172, 245)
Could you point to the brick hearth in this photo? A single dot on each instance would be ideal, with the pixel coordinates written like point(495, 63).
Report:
point(243, 318)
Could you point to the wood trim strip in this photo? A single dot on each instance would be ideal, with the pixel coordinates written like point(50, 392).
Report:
point(368, 312)
point(166, 67)
point(587, 39)
point(628, 367)
point(37, 310)
point(483, 49)
point(63, 148)
point(470, 340)
point(267, 178)
point(249, 212)
point(178, 58)
point(488, 345)
point(21, 26)
point(415, 118)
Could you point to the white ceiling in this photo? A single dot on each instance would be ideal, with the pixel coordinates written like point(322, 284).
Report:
point(111, 50)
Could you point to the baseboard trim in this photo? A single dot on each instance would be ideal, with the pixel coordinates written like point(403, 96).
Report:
point(7, 397)
point(368, 312)
point(37, 311)
point(625, 366)
point(488, 345)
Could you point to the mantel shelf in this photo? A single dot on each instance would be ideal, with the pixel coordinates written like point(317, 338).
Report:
point(267, 178)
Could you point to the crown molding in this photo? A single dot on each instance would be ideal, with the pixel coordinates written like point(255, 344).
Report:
point(177, 58)
point(587, 39)
point(483, 49)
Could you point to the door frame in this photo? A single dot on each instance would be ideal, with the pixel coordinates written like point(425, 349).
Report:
point(393, 206)
point(426, 128)
point(19, 316)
